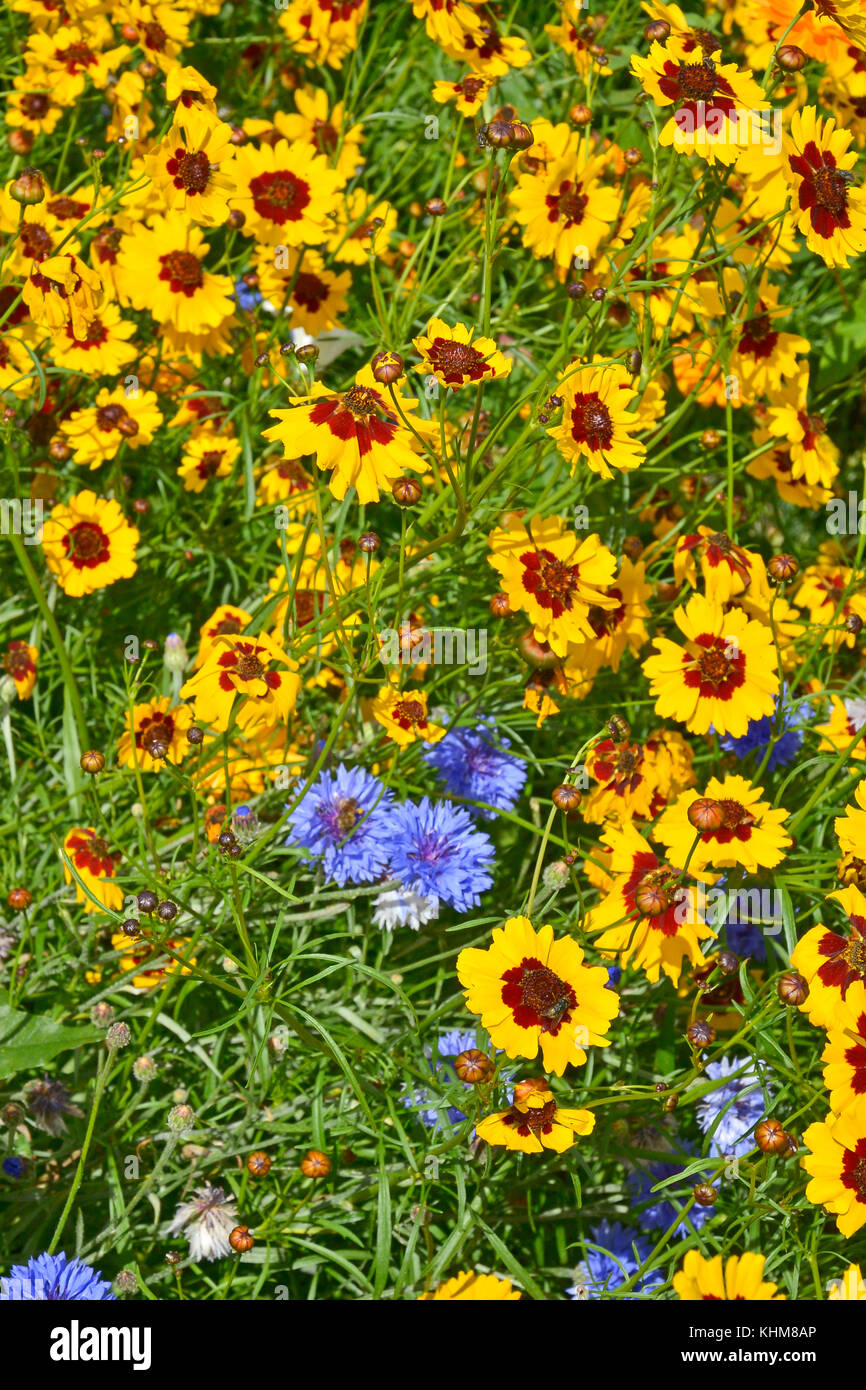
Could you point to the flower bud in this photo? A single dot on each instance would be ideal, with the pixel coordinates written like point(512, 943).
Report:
point(315, 1164)
point(770, 1136)
point(792, 989)
point(473, 1066)
point(175, 655)
point(181, 1119)
point(92, 762)
point(29, 188)
point(118, 1035)
point(566, 799)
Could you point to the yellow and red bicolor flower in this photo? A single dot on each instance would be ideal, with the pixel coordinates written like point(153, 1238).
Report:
point(359, 436)
point(555, 576)
point(832, 961)
point(648, 917)
point(19, 661)
point(96, 865)
point(254, 668)
point(739, 1278)
point(533, 992)
point(750, 833)
point(844, 1057)
point(88, 544)
point(817, 164)
point(837, 1166)
point(725, 673)
point(456, 358)
point(597, 425)
point(534, 1122)
point(150, 727)
point(403, 716)
point(716, 104)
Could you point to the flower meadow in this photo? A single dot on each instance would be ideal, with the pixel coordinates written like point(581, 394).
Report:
point(431, 667)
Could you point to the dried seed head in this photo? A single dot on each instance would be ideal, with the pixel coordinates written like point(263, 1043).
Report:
point(147, 900)
point(195, 735)
point(576, 289)
point(167, 911)
point(131, 927)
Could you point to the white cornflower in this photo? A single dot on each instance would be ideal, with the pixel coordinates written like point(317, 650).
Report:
point(208, 1219)
point(400, 907)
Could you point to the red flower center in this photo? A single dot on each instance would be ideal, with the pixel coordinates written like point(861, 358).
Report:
point(87, 545)
point(183, 272)
point(189, 171)
point(457, 360)
point(697, 81)
point(17, 661)
point(538, 1120)
point(76, 56)
point(36, 241)
point(590, 421)
point(569, 203)
point(310, 291)
point(830, 190)
point(537, 997)
point(280, 196)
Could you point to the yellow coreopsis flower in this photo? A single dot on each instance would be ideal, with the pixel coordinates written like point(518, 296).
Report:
point(533, 992)
point(155, 733)
point(254, 668)
point(748, 831)
point(403, 716)
point(740, 1277)
point(456, 358)
point(837, 1166)
point(88, 544)
point(534, 1122)
point(467, 1285)
point(724, 674)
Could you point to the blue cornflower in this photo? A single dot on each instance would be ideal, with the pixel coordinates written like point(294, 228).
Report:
point(789, 740)
point(246, 296)
point(436, 850)
point(473, 765)
point(733, 1110)
point(664, 1208)
point(345, 819)
point(53, 1279)
point(621, 1255)
point(13, 1166)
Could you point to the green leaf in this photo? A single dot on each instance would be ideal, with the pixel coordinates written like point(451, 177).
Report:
point(32, 1040)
